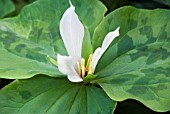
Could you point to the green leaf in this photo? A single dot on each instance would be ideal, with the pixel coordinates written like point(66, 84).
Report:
point(30, 1)
point(6, 7)
point(34, 35)
point(137, 63)
point(13, 67)
point(90, 12)
point(43, 94)
point(87, 46)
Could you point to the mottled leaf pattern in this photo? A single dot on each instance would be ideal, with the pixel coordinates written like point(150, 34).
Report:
point(18, 67)
point(137, 64)
point(43, 94)
point(34, 35)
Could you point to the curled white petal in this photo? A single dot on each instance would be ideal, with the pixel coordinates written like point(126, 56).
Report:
point(99, 51)
point(72, 33)
point(109, 38)
point(65, 65)
point(95, 58)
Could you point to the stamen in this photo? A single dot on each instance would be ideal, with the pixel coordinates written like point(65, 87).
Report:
point(82, 62)
point(90, 68)
point(89, 64)
point(83, 70)
point(88, 61)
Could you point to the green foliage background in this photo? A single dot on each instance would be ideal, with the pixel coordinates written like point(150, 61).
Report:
point(11, 9)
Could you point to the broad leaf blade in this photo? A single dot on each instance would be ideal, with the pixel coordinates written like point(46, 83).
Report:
point(94, 12)
point(6, 7)
point(34, 34)
point(43, 94)
point(137, 64)
point(24, 67)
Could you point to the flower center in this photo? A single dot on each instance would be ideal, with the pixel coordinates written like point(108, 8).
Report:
point(84, 70)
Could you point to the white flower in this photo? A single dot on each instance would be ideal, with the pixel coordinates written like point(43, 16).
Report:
point(72, 33)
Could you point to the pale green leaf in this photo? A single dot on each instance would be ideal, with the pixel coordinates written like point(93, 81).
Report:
point(34, 34)
point(137, 63)
point(13, 66)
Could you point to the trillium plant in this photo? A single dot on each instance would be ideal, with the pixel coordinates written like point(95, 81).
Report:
point(72, 32)
point(70, 57)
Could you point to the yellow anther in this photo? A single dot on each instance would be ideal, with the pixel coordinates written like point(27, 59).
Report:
point(82, 62)
point(79, 68)
point(83, 70)
point(90, 68)
point(90, 71)
point(89, 61)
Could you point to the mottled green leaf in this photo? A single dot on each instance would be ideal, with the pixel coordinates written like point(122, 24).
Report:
point(13, 67)
point(137, 63)
point(34, 35)
point(6, 7)
point(43, 94)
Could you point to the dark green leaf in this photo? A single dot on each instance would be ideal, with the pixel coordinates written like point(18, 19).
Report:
point(43, 94)
point(86, 46)
point(6, 7)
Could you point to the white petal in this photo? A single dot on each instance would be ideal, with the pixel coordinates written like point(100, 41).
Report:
point(73, 78)
point(99, 51)
point(65, 65)
point(72, 32)
point(109, 38)
point(95, 58)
